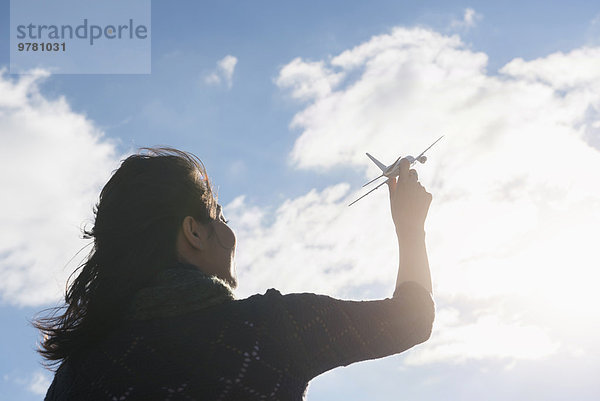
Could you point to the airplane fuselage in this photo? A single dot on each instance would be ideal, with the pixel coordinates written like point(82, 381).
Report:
point(394, 169)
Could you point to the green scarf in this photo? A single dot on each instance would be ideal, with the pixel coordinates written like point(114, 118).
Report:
point(176, 291)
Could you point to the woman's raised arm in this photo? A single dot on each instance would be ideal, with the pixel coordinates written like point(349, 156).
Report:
point(409, 203)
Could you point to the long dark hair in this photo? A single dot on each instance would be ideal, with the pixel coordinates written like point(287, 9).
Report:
point(137, 219)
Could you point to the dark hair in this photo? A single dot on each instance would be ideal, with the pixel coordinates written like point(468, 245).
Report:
point(137, 219)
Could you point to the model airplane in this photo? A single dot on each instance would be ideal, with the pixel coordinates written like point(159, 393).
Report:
point(394, 169)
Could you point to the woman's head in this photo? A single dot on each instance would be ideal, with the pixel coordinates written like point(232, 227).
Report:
point(140, 219)
point(142, 206)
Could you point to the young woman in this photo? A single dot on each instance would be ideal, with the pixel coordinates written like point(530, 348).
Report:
point(151, 314)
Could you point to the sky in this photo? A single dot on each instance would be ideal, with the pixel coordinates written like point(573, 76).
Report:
point(281, 101)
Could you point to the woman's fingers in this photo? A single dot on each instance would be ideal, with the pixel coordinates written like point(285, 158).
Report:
point(403, 173)
point(409, 199)
point(391, 184)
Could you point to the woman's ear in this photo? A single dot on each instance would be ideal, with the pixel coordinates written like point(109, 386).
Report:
point(194, 233)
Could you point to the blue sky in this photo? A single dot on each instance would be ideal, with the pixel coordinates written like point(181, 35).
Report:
point(513, 85)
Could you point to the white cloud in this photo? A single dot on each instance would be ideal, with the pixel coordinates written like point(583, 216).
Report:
point(223, 72)
point(515, 215)
point(578, 70)
point(39, 383)
point(53, 162)
point(311, 243)
point(308, 80)
point(487, 337)
point(469, 20)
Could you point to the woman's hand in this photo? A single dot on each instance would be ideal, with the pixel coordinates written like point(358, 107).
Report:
point(409, 201)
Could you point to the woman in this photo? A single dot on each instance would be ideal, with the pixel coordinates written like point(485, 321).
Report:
point(151, 314)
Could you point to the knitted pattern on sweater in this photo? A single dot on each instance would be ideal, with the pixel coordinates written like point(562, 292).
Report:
point(265, 347)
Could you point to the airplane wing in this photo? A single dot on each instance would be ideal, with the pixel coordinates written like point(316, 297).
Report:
point(377, 162)
point(369, 192)
point(430, 146)
point(374, 179)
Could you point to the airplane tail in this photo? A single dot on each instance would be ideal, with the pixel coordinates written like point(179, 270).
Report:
point(377, 162)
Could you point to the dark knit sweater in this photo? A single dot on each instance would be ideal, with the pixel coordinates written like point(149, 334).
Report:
point(187, 338)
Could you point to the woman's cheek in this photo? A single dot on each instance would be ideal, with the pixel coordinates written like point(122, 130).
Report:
point(228, 237)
